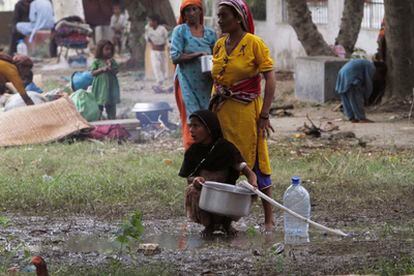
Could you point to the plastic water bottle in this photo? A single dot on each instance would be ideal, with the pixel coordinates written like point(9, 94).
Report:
point(297, 199)
point(22, 48)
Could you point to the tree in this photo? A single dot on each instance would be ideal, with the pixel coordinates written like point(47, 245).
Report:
point(139, 10)
point(350, 24)
point(301, 20)
point(312, 40)
point(399, 35)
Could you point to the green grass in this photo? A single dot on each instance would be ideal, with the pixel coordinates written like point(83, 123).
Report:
point(89, 178)
point(112, 179)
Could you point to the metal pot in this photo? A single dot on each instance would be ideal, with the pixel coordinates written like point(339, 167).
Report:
point(206, 63)
point(225, 199)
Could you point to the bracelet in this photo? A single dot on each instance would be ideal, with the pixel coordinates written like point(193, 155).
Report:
point(264, 117)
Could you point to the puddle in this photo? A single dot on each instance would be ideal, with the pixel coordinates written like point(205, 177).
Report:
point(91, 242)
point(186, 241)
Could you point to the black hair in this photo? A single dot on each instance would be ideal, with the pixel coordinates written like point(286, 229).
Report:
point(99, 48)
point(154, 17)
point(28, 78)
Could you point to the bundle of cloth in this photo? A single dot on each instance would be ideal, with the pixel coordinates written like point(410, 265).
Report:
point(72, 34)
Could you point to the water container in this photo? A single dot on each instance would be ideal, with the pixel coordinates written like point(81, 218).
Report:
point(297, 199)
point(21, 47)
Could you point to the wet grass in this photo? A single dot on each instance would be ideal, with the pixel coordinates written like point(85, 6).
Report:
point(116, 270)
point(111, 179)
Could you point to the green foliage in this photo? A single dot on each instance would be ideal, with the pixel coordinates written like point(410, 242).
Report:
point(251, 232)
point(131, 229)
point(4, 222)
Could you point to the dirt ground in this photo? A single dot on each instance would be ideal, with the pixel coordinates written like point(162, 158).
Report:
point(89, 240)
point(391, 129)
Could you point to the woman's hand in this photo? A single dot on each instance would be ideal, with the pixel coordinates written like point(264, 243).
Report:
point(198, 181)
point(264, 127)
point(189, 57)
point(253, 181)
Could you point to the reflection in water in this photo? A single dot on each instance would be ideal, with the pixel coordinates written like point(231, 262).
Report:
point(186, 240)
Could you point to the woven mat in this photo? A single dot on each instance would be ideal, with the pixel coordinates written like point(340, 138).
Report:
point(40, 123)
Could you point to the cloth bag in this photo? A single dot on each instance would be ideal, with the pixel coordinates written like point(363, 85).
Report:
point(86, 105)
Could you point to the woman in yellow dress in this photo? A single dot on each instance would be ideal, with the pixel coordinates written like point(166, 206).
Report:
point(239, 60)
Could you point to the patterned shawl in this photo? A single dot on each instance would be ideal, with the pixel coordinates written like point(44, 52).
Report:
point(243, 10)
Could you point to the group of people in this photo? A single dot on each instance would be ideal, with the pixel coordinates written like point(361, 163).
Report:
point(29, 17)
point(225, 121)
point(224, 118)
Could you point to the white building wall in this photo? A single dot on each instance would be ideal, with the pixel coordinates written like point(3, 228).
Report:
point(7, 5)
point(282, 39)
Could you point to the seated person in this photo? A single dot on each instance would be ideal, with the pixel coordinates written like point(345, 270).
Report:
point(354, 84)
point(13, 70)
point(211, 158)
point(20, 14)
point(41, 18)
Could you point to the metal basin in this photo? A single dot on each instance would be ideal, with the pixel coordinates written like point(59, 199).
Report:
point(225, 199)
point(149, 107)
point(149, 113)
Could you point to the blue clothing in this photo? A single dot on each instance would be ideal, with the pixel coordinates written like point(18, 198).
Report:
point(33, 87)
point(195, 86)
point(356, 72)
point(353, 104)
point(41, 18)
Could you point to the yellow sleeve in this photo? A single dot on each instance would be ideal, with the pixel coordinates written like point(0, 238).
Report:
point(12, 75)
point(18, 83)
point(262, 55)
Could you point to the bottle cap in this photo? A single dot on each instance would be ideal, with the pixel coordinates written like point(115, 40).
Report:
point(295, 180)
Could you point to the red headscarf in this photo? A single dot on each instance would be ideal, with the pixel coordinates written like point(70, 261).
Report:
point(243, 10)
point(186, 3)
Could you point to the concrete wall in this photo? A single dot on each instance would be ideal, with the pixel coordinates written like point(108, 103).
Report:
point(68, 8)
point(7, 5)
point(283, 41)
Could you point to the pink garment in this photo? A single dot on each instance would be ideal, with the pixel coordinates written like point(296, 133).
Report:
point(339, 50)
point(109, 132)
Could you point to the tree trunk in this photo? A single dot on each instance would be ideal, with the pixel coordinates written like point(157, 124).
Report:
point(399, 30)
point(138, 11)
point(301, 20)
point(350, 24)
point(64, 8)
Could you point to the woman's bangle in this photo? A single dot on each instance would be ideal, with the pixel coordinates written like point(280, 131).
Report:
point(264, 117)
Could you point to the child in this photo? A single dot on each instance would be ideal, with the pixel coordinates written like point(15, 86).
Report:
point(211, 158)
point(118, 25)
point(157, 36)
point(105, 85)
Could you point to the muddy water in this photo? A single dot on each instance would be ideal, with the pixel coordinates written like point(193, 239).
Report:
point(88, 241)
